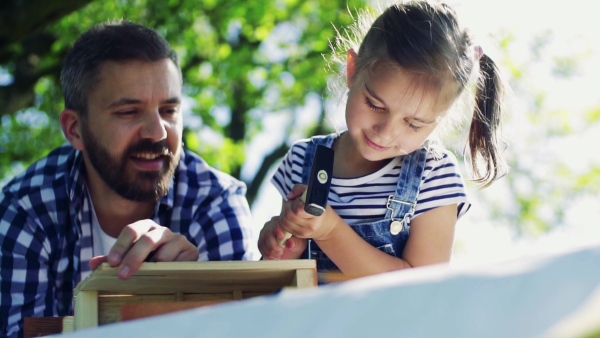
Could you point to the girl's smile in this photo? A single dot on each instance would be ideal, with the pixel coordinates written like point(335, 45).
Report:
point(374, 145)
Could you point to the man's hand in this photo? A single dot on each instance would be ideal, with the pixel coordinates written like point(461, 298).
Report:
point(141, 239)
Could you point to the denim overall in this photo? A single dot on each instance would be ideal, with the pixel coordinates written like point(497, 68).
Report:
point(389, 234)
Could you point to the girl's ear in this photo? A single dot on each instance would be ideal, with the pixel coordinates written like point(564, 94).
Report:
point(70, 121)
point(350, 66)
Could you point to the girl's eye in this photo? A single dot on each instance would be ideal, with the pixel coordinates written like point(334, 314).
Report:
point(413, 127)
point(372, 106)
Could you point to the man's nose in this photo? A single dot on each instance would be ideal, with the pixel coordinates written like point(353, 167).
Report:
point(153, 127)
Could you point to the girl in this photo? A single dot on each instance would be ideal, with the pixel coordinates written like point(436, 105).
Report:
point(390, 175)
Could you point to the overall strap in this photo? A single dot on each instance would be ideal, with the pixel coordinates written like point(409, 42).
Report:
point(309, 155)
point(311, 148)
point(401, 206)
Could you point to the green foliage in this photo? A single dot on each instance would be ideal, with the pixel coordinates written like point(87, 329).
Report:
point(595, 333)
point(241, 61)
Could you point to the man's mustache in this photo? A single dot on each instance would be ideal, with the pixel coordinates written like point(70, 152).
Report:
point(150, 147)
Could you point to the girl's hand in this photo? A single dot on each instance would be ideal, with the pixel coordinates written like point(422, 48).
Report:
point(270, 237)
point(302, 224)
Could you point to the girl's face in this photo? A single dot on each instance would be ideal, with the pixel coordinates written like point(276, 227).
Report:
point(387, 114)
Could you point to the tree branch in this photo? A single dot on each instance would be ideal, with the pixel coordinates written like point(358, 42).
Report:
point(267, 163)
point(20, 19)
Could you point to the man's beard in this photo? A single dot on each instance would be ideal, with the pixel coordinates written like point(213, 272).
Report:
point(141, 186)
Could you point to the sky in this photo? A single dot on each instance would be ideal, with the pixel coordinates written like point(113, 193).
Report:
point(572, 27)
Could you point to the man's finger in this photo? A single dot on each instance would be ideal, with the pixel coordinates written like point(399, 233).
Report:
point(96, 261)
point(128, 236)
point(171, 250)
point(143, 246)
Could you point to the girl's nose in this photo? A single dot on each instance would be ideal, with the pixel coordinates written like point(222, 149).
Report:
point(386, 131)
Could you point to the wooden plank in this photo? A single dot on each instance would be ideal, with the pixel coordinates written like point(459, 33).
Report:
point(68, 324)
point(42, 326)
point(130, 311)
point(198, 277)
point(86, 309)
point(179, 296)
point(255, 294)
point(110, 305)
point(305, 278)
point(207, 296)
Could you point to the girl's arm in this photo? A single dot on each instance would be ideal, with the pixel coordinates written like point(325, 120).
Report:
point(431, 237)
point(430, 241)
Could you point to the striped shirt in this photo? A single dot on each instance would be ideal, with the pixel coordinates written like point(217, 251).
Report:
point(363, 199)
point(46, 234)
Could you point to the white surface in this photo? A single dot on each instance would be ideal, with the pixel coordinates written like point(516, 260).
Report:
point(546, 296)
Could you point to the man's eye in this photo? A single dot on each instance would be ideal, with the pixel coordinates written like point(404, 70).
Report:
point(169, 110)
point(126, 112)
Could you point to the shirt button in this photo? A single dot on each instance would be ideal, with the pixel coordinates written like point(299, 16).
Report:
point(396, 227)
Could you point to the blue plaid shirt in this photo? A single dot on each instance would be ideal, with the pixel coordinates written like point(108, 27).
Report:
point(46, 232)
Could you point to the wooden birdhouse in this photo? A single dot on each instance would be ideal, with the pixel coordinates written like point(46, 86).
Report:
point(162, 287)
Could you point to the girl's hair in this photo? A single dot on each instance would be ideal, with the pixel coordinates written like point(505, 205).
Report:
point(426, 39)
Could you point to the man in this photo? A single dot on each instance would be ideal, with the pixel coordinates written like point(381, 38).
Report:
point(123, 190)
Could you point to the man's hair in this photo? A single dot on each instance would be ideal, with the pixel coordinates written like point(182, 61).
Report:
point(118, 41)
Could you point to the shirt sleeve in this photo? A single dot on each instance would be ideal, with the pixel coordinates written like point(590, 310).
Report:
point(226, 227)
point(442, 184)
point(289, 171)
point(24, 278)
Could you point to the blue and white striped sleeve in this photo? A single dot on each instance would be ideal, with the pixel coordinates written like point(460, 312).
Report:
point(289, 171)
point(442, 184)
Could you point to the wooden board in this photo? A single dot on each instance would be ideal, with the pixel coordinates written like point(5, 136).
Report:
point(200, 277)
point(130, 311)
point(44, 326)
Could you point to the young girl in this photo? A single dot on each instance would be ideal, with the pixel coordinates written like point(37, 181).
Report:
point(390, 175)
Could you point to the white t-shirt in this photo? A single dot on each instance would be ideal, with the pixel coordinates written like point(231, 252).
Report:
point(364, 199)
point(102, 242)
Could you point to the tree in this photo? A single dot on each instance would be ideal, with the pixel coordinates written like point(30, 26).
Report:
point(242, 62)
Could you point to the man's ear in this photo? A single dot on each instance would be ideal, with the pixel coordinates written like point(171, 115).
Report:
point(350, 66)
point(70, 121)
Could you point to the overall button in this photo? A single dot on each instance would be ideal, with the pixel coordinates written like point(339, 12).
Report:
point(322, 176)
point(396, 227)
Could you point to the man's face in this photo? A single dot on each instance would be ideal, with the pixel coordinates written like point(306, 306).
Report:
point(133, 130)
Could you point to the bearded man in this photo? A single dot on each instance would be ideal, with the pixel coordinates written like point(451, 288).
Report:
point(123, 190)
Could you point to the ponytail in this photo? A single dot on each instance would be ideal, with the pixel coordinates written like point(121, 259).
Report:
point(485, 125)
